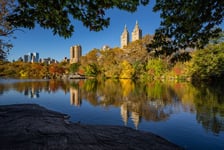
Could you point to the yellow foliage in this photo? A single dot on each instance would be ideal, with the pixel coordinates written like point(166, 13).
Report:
point(127, 71)
point(127, 86)
point(23, 74)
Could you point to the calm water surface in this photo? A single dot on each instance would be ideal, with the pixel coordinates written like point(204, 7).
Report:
point(192, 117)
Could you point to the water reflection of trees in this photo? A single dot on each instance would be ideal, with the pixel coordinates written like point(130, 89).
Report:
point(33, 88)
point(153, 101)
point(156, 101)
point(209, 103)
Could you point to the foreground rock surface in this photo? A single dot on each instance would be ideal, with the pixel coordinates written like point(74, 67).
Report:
point(31, 126)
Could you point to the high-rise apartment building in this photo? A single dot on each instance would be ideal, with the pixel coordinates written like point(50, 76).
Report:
point(136, 33)
point(75, 54)
point(124, 37)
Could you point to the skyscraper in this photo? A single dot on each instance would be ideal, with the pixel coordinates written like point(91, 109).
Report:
point(26, 58)
point(36, 57)
point(31, 57)
point(136, 33)
point(75, 54)
point(124, 37)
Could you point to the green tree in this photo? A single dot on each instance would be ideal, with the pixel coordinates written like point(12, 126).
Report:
point(186, 24)
point(208, 63)
point(156, 68)
point(74, 67)
point(91, 70)
point(6, 30)
point(58, 15)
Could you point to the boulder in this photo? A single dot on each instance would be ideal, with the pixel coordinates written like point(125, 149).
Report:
point(32, 127)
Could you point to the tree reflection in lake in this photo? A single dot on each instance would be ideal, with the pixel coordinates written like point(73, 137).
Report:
point(156, 101)
point(152, 101)
point(209, 103)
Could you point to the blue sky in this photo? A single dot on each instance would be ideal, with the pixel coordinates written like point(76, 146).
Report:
point(47, 45)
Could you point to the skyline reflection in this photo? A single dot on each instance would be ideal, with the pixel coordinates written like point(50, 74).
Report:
point(153, 101)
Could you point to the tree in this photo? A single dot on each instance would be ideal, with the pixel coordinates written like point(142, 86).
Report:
point(57, 15)
point(186, 24)
point(208, 63)
point(91, 70)
point(136, 50)
point(6, 29)
point(156, 67)
point(56, 70)
point(74, 67)
point(127, 71)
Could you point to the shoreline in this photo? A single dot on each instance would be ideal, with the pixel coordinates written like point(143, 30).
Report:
point(30, 126)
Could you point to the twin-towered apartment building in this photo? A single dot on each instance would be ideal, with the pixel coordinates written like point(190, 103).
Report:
point(136, 35)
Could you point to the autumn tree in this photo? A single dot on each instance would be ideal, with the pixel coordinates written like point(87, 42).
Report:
point(91, 57)
point(65, 65)
point(127, 71)
point(137, 50)
point(55, 70)
point(109, 61)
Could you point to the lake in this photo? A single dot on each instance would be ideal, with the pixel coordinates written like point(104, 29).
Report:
point(190, 116)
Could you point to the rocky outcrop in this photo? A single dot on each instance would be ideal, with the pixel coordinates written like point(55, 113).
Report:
point(32, 127)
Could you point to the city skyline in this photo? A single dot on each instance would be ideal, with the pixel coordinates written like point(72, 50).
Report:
point(50, 45)
point(32, 57)
point(57, 47)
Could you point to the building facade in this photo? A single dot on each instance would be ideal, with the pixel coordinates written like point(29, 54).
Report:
point(31, 57)
point(124, 37)
point(26, 58)
point(136, 33)
point(75, 54)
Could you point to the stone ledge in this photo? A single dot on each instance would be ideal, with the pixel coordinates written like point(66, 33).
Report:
point(30, 126)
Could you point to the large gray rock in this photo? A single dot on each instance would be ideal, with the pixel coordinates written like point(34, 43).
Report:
point(32, 127)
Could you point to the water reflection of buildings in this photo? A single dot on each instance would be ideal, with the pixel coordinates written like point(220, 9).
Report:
point(135, 116)
point(124, 113)
point(75, 97)
point(151, 110)
point(32, 92)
